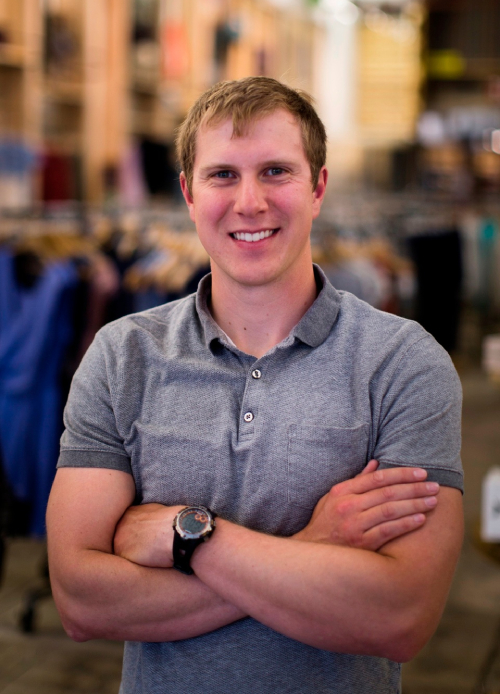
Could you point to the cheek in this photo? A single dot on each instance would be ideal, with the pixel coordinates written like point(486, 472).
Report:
point(295, 199)
point(210, 208)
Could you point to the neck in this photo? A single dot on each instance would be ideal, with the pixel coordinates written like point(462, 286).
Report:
point(258, 318)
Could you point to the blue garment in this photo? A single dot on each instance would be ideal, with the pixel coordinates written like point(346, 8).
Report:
point(16, 158)
point(35, 331)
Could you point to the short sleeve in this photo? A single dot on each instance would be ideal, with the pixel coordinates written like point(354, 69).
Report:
point(91, 437)
point(420, 415)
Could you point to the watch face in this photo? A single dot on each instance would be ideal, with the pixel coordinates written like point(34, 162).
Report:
point(194, 522)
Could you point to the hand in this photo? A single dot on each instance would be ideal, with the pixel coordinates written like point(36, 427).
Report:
point(372, 508)
point(144, 535)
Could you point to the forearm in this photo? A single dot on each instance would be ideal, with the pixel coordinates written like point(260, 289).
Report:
point(314, 593)
point(105, 596)
point(333, 598)
point(102, 595)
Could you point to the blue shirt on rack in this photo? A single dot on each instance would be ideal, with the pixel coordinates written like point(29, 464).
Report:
point(35, 331)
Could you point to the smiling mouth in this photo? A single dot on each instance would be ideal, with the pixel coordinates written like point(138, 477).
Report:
point(253, 237)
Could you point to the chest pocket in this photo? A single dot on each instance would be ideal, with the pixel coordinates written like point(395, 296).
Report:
point(320, 457)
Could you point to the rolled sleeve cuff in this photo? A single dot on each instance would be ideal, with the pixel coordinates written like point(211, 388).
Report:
point(97, 459)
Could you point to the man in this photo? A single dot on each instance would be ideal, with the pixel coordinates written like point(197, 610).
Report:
point(315, 427)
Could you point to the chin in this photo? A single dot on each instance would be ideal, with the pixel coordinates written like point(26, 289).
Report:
point(254, 279)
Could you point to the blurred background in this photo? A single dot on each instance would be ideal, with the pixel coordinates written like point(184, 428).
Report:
point(92, 227)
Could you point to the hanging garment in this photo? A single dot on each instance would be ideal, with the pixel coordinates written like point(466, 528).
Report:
point(17, 166)
point(161, 176)
point(438, 262)
point(35, 330)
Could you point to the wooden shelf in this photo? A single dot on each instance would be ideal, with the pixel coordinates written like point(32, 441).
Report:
point(93, 92)
point(145, 85)
point(64, 91)
point(12, 55)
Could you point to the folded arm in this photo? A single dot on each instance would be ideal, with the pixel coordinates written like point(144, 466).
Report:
point(385, 603)
point(137, 597)
point(101, 595)
point(313, 589)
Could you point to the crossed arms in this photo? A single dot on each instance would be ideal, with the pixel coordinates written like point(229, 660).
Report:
point(369, 574)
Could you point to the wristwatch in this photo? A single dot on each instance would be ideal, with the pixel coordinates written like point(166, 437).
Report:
point(192, 526)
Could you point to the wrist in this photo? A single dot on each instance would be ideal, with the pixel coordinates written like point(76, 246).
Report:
point(192, 526)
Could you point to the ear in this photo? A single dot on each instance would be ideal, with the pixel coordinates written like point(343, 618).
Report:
point(319, 191)
point(187, 195)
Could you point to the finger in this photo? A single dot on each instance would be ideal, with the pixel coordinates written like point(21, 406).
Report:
point(380, 535)
point(395, 510)
point(378, 479)
point(395, 492)
point(371, 466)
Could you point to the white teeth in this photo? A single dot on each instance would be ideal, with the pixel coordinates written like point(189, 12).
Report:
point(257, 236)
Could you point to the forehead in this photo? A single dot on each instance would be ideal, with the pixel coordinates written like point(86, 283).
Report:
point(278, 131)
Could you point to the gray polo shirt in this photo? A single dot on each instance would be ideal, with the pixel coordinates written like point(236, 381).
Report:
point(164, 395)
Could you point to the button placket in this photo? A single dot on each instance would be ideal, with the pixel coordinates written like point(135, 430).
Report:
point(250, 403)
point(249, 416)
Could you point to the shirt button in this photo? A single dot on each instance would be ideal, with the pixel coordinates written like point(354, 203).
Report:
point(256, 373)
point(248, 417)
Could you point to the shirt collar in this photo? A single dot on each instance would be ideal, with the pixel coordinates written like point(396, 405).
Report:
point(312, 329)
point(318, 321)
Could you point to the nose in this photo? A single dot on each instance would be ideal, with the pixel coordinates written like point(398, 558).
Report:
point(250, 197)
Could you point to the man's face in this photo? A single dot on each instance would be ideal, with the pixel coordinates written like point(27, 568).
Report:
point(252, 200)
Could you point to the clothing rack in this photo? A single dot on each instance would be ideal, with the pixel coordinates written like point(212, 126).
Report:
point(101, 251)
point(94, 268)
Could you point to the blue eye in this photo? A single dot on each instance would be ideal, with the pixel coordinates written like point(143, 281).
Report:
point(223, 174)
point(275, 171)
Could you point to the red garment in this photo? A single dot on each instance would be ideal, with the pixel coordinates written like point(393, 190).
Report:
point(58, 181)
point(174, 51)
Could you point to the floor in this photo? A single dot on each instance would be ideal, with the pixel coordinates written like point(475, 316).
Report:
point(460, 659)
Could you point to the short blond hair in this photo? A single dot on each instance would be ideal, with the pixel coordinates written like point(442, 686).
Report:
point(244, 101)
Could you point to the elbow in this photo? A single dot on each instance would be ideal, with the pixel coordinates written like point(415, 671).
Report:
point(75, 627)
point(75, 631)
point(78, 626)
point(77, 620)
point(401, 650)
point(405, 650)
point(405, 639)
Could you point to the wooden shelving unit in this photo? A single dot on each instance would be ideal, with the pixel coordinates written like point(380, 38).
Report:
point(75, 105)
point(85, 94)
point(77, 83)
point(390, 77)
point(178, 59)
point(20, 69)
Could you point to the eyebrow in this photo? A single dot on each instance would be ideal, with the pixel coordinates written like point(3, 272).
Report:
point(277, 163)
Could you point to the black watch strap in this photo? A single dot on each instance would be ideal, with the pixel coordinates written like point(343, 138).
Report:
point(183, 551)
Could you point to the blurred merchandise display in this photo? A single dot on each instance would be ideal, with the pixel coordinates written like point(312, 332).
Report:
point(491, 357)
point(61, 44)
point(408, 90)
point(442, 257)
point(371, 269)
point(460, 152)
point(34, 335)
point(18, 163)
point(437, 254)
point(70, 270)
point(390, 73)
point(60, 280)
point(86, 81)
point(62, 69)
point(490, 506)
